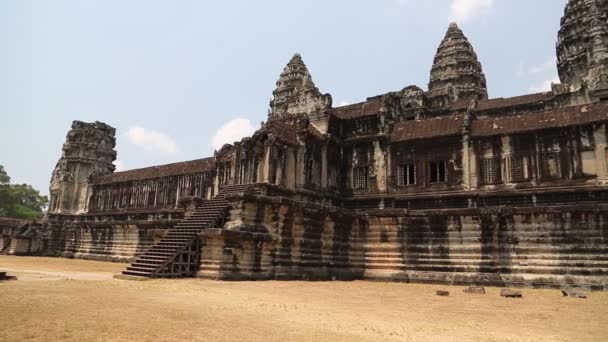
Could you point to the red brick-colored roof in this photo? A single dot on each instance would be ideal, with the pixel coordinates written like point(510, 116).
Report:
point(427, 128)
point(193, 166)
point(368, 108)
point(513, 101)
point(284, 131)
point(554, 118)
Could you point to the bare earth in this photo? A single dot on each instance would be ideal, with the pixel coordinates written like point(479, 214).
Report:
point(77, 300)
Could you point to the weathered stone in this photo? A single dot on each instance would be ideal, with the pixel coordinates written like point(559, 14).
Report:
point(508, 293)
point(475, 290)
point(438, 186)
point(573, 293)
point(443, 293)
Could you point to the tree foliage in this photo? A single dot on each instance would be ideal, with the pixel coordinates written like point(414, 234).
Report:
point(20, 200)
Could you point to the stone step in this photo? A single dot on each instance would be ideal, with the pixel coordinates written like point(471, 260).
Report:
point(137, 273)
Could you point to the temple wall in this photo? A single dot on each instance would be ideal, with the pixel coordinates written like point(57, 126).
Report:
point(22, 237)
point(116, 240)
point(538, 247)
point(278, 238)
point(534, 247)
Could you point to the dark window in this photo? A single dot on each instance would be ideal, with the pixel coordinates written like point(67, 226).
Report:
point(360, 175)
point(550, 165)
point(519, 168)
point(490, 170)
point(439, 171)
point(407, 174)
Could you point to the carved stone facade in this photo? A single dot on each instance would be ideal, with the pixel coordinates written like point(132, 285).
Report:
point(456, 74)
point(443, 185)
point(582, 48)
point(87, 152)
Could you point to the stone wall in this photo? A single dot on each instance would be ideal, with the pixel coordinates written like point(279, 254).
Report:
point(115, 240)
point(277, 238)
point(537, 247)
point(22, 237)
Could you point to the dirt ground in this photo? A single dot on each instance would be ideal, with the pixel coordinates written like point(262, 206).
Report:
point(77, 300)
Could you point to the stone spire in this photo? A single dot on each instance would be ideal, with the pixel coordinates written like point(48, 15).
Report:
point(582, 47)
point(296, 93)
point(88, 151)
point(456, 74)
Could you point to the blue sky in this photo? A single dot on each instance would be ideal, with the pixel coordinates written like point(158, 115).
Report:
point(170, 75)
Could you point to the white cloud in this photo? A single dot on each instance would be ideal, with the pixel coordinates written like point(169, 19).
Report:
point(343, 103)
point(152, 140)
point(549, 65)
point(231, 131)
point(464, 10)
point(120, 165)
point(544, 85)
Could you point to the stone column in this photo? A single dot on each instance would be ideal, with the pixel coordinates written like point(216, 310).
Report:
point(324, 183)
point(300, 166)
point(469, 163)
point(290, 171)
point(267, 158)
point(599, 134)
point(506, 156)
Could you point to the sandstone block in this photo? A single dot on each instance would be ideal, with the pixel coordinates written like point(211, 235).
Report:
point(475, 290)
point(508, 293)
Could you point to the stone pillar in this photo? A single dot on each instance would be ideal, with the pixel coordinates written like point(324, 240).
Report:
point(599, 134)
point(300, 166)
point(469, 163)
point(506, 157)
point(290, 170)
point(267, 158)
point(324, 183)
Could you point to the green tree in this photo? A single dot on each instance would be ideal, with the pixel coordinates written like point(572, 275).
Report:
point(20, 200)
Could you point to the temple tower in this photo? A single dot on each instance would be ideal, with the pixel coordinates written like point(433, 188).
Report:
point(296, 95)
point(456, 74)
point(582, 47)
point(88, 151)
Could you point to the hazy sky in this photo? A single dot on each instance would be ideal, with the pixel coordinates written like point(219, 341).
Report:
point(170, 74)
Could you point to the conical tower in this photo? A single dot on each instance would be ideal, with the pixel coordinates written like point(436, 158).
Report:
point(296, 93)
point(456, 74)
point(582, 47)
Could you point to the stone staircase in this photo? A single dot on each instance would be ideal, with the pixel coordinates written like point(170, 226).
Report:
point(177, 254)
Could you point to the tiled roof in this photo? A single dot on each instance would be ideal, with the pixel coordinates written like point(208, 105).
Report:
point(555, 118)
point(427, 128)
point(284, 131)
point(513, 101)
point(368, 108)
point(193, 166)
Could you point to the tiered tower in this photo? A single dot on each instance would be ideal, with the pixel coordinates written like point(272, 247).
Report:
point(582, 47)
point(87, 151)
point(456, 74)
point(296, 94)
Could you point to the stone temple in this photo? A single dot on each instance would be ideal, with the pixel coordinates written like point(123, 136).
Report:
point(443, 185)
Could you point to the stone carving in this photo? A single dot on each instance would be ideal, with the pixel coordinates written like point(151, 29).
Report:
point(88, 152)
point(296, 93)
point(582, 47)
point(439, 186)
point(456, 73)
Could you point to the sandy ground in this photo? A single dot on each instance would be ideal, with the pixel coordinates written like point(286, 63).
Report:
point(76, 300)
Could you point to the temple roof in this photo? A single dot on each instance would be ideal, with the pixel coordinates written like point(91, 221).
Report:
point(554, 118)
point(456, 69)
point(368, 108)
point(283, 131)
point(427, 128)
point(193, 166)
